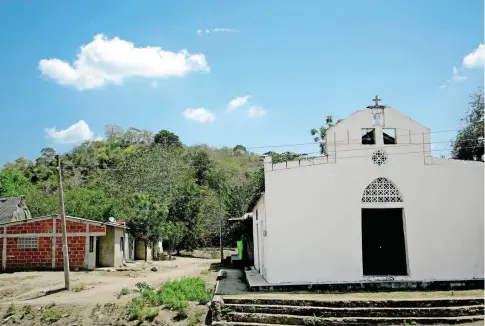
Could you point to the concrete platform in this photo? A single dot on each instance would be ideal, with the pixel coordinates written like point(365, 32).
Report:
point(257, 282)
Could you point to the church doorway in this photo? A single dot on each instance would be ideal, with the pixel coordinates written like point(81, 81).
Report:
point(383, 244)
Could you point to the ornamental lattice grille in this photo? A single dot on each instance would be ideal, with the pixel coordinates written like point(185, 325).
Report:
point(381, 190)
point(379, 157)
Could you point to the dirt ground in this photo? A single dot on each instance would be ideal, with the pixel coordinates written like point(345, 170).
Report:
point(95, 297)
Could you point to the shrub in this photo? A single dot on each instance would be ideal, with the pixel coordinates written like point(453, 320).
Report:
point(12, 309)
point(192, 288)
point(124, 291)
point(174, 300)
point(138, 310)
point(142, 286)
point(52, 314)
point(151, 297)
point(28, 309)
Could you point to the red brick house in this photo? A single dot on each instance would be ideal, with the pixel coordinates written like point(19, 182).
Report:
point(36, 243)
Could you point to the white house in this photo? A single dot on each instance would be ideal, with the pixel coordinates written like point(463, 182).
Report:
point(378, 206)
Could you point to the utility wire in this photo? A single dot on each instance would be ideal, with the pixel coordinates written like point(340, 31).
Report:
point(348, 157)
point(310, 143)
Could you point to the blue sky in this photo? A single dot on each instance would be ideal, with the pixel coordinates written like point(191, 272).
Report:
point(294, 61)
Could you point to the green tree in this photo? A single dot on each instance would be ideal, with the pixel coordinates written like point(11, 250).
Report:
point(13, 183)
point(469, 142)
point(319, 135)
point(49, 155)
point(146, 220)
point(174, 233)
point(239, 150)
point(167, 138)
point(90, 203)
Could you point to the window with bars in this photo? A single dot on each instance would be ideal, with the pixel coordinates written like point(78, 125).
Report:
point(91, 244)
point(27, 243)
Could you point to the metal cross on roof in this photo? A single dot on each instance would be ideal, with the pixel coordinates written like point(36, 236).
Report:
point(376, 100)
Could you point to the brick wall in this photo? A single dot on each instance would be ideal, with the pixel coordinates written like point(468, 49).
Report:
point(41, 257)
point(19, 258)
point(97, 228)
point(44, 226)
point(77, 251)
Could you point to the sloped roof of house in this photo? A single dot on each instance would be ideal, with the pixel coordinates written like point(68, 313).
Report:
point(13, 209)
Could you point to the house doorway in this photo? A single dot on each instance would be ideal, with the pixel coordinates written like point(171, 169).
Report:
point(383, 244)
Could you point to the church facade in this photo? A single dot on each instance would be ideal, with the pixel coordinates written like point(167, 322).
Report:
point(378, 206)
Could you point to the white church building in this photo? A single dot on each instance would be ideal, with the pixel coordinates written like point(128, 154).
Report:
point(377, 207)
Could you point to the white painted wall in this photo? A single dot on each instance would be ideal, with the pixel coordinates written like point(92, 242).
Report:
point(120, 253)
point(90, 256)
point(259, 222)
point(313, 212)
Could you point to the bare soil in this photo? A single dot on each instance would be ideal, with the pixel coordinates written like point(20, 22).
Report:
point(95, 297)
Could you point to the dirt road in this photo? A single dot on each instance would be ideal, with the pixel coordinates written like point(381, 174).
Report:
point(95, 286)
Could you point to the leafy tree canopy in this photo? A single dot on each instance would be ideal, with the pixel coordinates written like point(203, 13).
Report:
point(469, 143)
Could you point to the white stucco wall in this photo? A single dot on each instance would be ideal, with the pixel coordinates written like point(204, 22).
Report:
point(119, 252)
point(111, 253)
point(259, 224)
point(313, 212)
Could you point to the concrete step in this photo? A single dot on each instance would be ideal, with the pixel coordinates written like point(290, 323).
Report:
point(359, 311)
point(240, 318)
point(354, 303)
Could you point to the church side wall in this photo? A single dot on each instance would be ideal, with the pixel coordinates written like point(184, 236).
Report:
point(259, 225)
point(317, 211)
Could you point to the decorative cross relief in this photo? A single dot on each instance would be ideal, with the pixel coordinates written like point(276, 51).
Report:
point(377, 117)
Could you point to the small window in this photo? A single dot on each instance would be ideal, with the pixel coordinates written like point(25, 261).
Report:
point(91, 244)
point(28, 243)
point(389, 136)
point(368, 136)
point(122, 247)
point(256, 215)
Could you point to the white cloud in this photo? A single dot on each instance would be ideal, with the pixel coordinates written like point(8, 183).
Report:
point(256, 111)
point(105, 60)
point(75, 133)
point(456, 75)
point(476, 58)
point(154, 84)
point(455, 78)
point(237, 102)
point(201, 32)
point(201, 115)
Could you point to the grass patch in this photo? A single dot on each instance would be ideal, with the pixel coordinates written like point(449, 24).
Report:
point(191, 288)
point(175, 295)
point(52, 314)
point(11, 310)
point(204, 273)
point(138, 310)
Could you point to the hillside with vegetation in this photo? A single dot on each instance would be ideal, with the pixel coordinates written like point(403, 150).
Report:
point(157, 184)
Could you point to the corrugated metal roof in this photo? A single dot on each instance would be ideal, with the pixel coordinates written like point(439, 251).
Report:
point(13, 209)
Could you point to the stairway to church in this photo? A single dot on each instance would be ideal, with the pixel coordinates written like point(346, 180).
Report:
point(270, 311)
